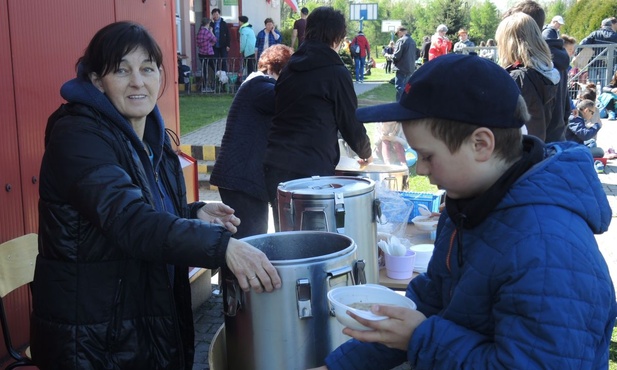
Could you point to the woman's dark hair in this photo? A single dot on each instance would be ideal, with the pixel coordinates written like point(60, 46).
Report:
point(327, 25)
point(111, 43)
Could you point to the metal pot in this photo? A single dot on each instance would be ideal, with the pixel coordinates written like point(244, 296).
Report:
point(391, 176)
point(345, 205)
point(290, 328)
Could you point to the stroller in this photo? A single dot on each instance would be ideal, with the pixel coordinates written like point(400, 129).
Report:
point(184, 76)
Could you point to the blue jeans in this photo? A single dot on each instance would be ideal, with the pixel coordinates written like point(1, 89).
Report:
point(359, 62)
point(400, 79)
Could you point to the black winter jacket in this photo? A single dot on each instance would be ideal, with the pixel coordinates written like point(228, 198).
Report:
point(556, 127)
point(102, 297)
point(223, 38)
point(539, 93)
point(603, 35)
point(239, 165)
point(315, 98)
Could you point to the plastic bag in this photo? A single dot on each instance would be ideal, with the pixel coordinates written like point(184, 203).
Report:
point(395, 211)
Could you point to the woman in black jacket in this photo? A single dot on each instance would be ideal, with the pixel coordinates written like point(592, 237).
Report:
point(116, 236)
point(315, 100)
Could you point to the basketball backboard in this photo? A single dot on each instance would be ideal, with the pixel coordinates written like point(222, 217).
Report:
point(364, 12)
point(390, 25)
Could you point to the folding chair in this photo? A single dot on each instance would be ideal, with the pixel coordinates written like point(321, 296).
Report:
point(17, 260)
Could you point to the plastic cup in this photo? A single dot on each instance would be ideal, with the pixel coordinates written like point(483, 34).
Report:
point(400, 267)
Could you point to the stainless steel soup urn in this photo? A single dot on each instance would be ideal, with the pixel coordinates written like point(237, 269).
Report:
point(292, 327)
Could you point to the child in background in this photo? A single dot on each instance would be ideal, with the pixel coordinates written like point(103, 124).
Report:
point(390, 146)
point(582, 130)
point(516, 279)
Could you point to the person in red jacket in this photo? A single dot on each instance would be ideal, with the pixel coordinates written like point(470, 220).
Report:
point(440, 44)
point(360, 54)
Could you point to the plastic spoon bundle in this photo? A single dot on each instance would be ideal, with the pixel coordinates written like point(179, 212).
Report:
point(394, 248)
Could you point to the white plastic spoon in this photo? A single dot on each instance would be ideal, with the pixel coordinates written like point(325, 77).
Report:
point(424, 211)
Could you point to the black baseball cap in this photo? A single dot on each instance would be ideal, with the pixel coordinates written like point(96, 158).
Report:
point(457, 87)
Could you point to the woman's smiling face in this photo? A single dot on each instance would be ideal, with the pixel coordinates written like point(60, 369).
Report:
point(133, 87)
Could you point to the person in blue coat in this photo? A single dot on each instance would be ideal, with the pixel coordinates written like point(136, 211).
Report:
point(238, 171)
point(267, 37)
point(516, 280)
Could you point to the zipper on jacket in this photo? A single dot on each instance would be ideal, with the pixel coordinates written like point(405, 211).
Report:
point(116, 318)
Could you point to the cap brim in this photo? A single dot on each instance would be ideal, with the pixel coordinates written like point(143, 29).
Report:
point(386, 113)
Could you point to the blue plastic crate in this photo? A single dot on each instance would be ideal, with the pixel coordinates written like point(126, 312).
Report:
point(432, 201)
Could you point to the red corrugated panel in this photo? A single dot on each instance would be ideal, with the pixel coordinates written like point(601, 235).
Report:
point(46, 41)
point(159, 17)
point(11, 215)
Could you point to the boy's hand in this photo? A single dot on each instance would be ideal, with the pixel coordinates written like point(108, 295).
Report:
point(394, 332)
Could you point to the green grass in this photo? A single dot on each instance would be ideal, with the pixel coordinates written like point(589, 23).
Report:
point(384, 93)
point(612, 351)
point(198, 110)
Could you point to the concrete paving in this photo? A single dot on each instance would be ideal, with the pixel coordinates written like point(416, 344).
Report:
point(209, 316)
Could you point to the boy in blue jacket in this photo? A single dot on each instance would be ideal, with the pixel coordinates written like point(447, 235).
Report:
point(516, 280)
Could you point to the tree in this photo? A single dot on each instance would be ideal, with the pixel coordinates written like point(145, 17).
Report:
point(587, 15)
point(558, 7)
point(484, 21)
point(453, 13)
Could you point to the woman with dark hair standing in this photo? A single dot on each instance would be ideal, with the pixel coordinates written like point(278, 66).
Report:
point(116, 235)
point(315, 100)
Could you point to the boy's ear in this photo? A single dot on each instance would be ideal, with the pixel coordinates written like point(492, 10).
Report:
point(484, 144)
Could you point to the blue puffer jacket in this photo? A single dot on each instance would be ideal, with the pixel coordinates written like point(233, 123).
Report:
point(531, 291)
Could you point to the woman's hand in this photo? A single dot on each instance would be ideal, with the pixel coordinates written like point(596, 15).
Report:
point(365, 162)
point(220, 214)
point(251, 267)
point(394, 332)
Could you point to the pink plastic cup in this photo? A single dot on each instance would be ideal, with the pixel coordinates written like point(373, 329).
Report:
point(400, 267)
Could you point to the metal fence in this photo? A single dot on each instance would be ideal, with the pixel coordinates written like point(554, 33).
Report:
point(593, 63)
point(221, 75)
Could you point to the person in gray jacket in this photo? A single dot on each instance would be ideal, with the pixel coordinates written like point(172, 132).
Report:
point(404, 59)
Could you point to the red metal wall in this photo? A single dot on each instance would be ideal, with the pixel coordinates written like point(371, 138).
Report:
point(40, 41)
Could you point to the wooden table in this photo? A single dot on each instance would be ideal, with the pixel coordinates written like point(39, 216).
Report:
point(415, 236)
